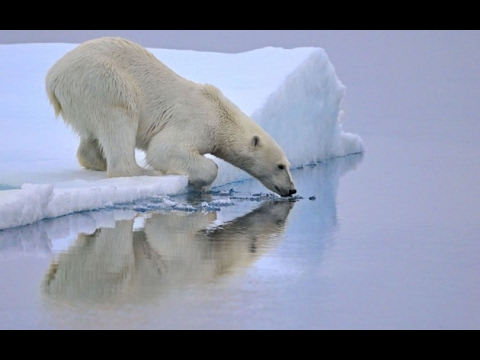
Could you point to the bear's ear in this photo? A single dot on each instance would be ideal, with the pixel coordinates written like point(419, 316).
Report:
point(255, 141)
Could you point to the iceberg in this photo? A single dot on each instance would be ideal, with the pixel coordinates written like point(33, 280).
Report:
point(294, 94)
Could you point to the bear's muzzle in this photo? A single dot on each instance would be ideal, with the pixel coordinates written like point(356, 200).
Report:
point(285, 193)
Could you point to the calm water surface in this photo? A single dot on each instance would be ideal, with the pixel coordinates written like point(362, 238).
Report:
point(172, 269)
point(372, 250)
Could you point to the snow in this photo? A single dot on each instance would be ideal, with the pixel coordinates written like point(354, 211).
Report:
point(293, 93)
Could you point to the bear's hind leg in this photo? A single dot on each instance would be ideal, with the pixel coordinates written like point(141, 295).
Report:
point(117, 136)
point(90, 154)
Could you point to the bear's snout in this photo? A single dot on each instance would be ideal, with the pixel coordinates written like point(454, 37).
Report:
point(285, 193)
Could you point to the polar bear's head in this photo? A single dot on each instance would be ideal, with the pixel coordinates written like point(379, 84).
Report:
point(269, 165)
point(257, 153)
point(244, 144)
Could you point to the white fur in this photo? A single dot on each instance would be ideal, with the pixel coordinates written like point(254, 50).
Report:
point(118, 96)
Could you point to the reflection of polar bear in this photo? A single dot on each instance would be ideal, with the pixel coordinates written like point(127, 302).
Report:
point(118, 97)
point(172, 250)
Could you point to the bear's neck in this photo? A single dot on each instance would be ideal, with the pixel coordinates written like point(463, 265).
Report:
point(231, 148)
point(230, 128)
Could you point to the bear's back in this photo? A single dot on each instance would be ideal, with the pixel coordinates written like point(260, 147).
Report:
point(111, 52)
point(111, 70)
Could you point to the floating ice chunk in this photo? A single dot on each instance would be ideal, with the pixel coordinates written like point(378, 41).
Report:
point(222, 202)
point(186, 208)
point(169, 202)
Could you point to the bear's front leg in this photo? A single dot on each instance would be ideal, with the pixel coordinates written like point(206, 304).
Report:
point(178, 159)
point(202, 176)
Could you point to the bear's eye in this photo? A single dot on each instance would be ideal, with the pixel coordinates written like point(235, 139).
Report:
point(281, 167)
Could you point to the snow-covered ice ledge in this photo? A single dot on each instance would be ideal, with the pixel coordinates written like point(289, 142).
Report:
point(32, 202)
point(294, 94)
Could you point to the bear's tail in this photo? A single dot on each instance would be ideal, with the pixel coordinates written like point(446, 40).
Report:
point(54, 101)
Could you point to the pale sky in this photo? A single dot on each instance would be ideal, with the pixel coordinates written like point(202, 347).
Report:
point(235, 40)
point(213, 40)
point(351, 51)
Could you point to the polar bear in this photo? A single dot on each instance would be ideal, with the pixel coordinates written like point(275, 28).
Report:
point(119, 97)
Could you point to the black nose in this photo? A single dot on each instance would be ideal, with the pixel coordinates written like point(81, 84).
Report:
point(293, 192)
